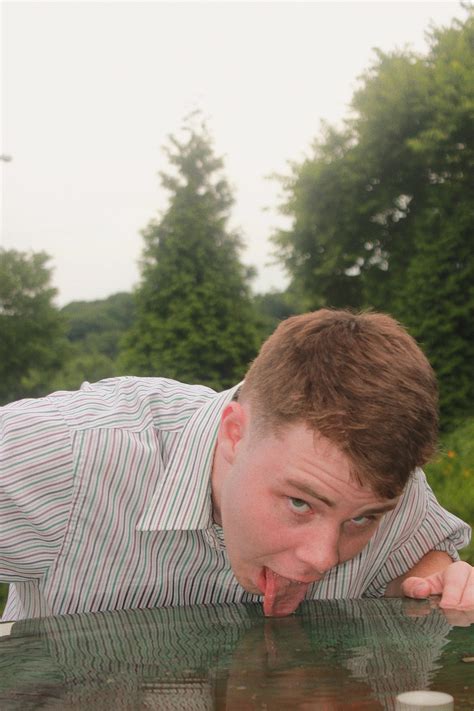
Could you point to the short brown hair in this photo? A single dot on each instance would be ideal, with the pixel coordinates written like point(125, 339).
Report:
point(358, 379)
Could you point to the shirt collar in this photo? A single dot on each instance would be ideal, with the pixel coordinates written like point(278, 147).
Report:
point(182, 499)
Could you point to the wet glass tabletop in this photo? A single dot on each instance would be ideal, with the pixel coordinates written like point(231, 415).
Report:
point(343, 654)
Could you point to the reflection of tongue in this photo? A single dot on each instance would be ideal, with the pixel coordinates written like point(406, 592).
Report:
point(282, 596)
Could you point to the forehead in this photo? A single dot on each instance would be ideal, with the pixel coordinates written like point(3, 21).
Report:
point(298, 456)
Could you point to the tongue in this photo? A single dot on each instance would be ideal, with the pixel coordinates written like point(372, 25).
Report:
point(282, 596)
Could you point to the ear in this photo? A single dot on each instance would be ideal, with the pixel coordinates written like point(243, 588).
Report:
point(231, 430)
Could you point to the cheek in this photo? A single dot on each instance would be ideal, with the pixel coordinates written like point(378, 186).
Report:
point(240, 513)
point(351, 545)
point(246, 494)
point(252, 527)
point(252, 518)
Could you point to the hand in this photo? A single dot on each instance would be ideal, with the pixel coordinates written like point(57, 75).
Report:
point(455, 584)
point(424, 608)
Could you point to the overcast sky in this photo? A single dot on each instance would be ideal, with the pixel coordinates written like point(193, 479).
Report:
point(91, 90)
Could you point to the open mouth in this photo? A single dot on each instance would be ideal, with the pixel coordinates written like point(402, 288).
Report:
point(281, 595)
point(262, 579)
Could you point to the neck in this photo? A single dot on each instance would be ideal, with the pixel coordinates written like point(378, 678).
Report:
point(216, 479)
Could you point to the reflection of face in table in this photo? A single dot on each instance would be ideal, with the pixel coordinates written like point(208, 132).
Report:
point(331, 655)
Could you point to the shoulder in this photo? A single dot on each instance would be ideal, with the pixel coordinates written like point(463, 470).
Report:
point(131, 403)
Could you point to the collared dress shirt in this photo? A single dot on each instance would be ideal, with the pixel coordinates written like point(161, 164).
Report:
point(105, 503)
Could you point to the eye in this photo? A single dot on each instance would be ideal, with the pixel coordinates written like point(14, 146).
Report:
point(363, 521)
point(298, 505)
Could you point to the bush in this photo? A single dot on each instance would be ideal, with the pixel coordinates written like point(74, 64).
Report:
point(451, 476)
point(3, 596)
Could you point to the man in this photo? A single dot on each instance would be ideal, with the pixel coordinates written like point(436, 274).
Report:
point(304, 482)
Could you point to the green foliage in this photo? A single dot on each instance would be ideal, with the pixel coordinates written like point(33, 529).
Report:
point(438, 297)
point(195, 320)
point(3, 596)
point(32, 343)
point(321, 249)
point(451, 476)
point(273, 307)
point(94, 331)
point(81, 366)
point(438, 302)
point(98, 326)
point(382, 208)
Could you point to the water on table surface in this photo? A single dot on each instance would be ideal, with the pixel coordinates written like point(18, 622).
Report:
point(343, 654)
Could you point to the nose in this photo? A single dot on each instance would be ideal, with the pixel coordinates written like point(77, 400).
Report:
point(318, 555)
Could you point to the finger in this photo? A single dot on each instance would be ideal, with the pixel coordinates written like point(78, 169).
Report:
point(459, 618)
point(416, 608)
point(458, 589)
point(421, 587)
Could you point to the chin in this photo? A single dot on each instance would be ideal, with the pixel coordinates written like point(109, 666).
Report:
point(254, 589)
point(250, 587)
point(248, 584)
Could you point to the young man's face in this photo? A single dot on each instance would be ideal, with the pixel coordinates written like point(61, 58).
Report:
point(289, 508)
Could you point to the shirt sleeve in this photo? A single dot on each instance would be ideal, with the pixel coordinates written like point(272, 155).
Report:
point(36, 484)
point(418, 525)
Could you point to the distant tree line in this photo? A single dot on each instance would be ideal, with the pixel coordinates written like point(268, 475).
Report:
point(381, 217)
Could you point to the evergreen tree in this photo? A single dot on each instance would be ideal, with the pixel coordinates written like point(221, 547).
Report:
point(195, 320)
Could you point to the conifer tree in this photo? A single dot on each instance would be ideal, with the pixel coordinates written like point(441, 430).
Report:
point(195, 319)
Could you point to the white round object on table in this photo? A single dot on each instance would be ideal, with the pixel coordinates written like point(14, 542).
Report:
point(424, 700)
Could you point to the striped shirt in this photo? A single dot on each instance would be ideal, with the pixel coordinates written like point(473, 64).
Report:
point(105, 503)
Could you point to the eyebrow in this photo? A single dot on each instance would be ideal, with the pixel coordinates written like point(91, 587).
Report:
point(379, 509)
point(305, 489)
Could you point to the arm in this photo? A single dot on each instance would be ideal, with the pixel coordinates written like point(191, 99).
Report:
point(437, 574)
point(36, 484)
